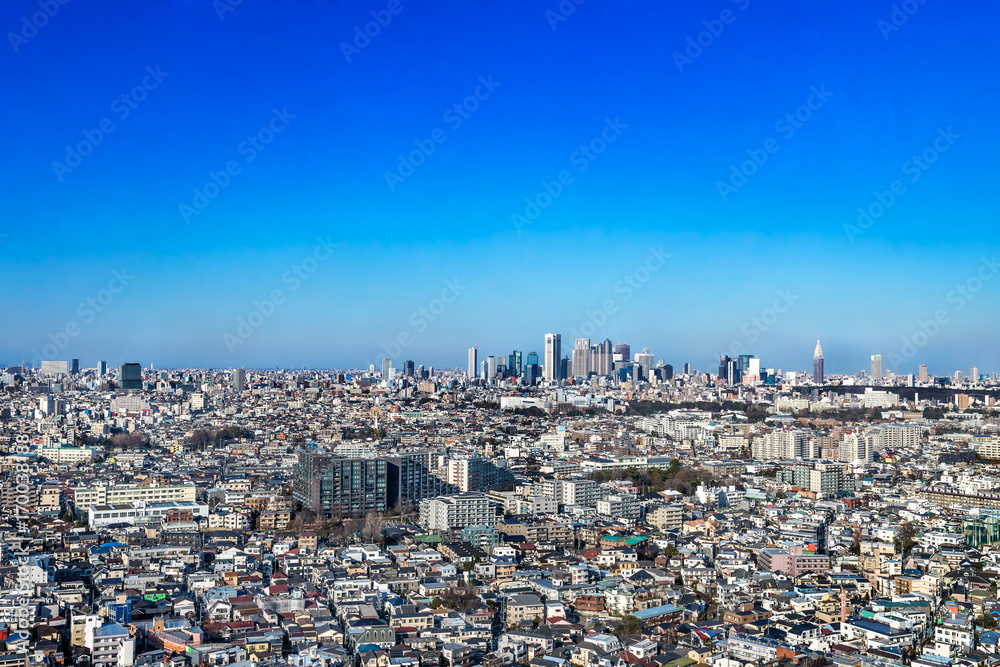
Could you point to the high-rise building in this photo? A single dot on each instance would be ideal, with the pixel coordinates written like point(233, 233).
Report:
point(624, 350)
point(876, 367)
point(532, 358)
point(602, 358)
point(386, 365)
point(645, 360)
point(75, 367)
point(239, 380)
point(730, 370)
point(102, 368)
point(581, 358)
point(131, 376)
point(924, 375)
point(473, 370)
point(553, 355)
point(411, 479)
point(477, 474)
point(408, 368)
point(973, 373)
point(491, 367)
point(334, 486)
point(514, 364)
point(818, 363)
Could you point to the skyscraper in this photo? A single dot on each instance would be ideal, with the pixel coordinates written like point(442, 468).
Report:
point(239, 380)
point(491, 367)
point(131, 376)
point(386, 365)
point(924, 375)
point(973, 373)
point(75, 367)
point(876, 366)
point(581, 358)
point(102, 368)
point(818, 363)
point(473, 363)
point(624, 350)
point(553, 354)
point(645, 360)
point(602, 358)
point(514, 364)
point(408, 368)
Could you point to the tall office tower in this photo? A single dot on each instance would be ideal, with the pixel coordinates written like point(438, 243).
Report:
point(730, 370)
point(491, 367)
point(333, 486)
point(102, 368)
point(532, 359)
point(581, 357)
point(131, 376)
point(530, 374)
point(749, 368)
point(818, 363)
point(876, 367)
point(603, 358)
point(924, 375)
point(386, 365)
point(239, 380)
point(667, 372)
point(959, 377)
point(408, 368)
point(645, 360)
point(514, 364)
point(624, 350)
point(553, 354)
point(75, 367)
point(473, 363)
point(973, 373)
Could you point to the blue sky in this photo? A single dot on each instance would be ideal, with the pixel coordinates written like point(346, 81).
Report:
point(329, 127)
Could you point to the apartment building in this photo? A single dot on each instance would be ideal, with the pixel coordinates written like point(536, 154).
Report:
point(120, 494)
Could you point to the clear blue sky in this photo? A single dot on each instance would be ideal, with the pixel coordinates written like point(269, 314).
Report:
point(681, 124)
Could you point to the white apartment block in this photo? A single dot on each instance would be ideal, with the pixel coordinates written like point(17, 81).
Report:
point(86, 497)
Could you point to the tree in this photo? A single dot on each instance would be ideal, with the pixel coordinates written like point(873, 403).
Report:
point(436, 603)
point(630, 625)
point(907, 533)
point(372, 529)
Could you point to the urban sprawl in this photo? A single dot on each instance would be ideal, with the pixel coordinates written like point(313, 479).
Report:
point(590, 509)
